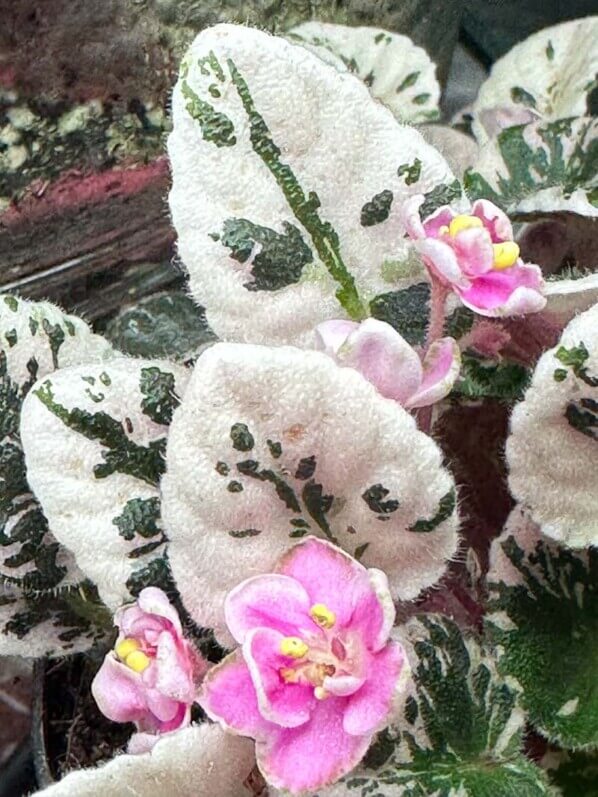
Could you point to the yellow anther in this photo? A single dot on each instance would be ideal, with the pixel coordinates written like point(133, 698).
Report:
point(137, 661)
point(320, 693)
point(126, 646)
point(293, 647)
point(321, 614)
point(460, 223)
point(289, 675)
point(443, 230)
point(505, 255)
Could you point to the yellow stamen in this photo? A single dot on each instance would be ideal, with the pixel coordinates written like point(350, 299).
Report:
point(320, 693)
point(289, 675)
point(137, 661)
point(460, 223)
point(443, 230)
point(505, 255)
point(293, 647)
point(126, 646)
point(321, 614)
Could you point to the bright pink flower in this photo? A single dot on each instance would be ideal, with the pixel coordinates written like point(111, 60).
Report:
point(476, 256)
point(386, 360)
point(316, 675)
point(151, 676)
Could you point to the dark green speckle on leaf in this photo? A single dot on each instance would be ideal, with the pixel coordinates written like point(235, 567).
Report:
point(140, 516)
point(241, 437)
point(374, 497)
point(215, 126)
point(377, 209)
point(11, 337)
point(411, 172)
point(12, 303)
point(583, 416)
point(239, 535)
point(523, 97)
point(421, 99)
point(159, 398)
point(446, 507)
point(306, 468)
point(409, 81)
point(442, 194)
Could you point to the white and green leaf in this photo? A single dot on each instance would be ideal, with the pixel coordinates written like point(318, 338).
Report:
point(550, 75)
point(35, 339)
point(397, 72)
point(461, 731)
point(272, 444)
point(543, 619)
point(552, 452)
point(95, 439)
point(287, 183)
point(540, 168)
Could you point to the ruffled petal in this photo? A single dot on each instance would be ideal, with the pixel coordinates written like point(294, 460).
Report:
point(328, 575)
point(495, 220)
point(313, 755)
point(384, 358)
point(374, 611)
point(441, 369)
point(442, 260)
point(164, 708)
point(134, 622)
point(155, 602)
point(410, 218)
point(514, 291)
point(173, 666)
point(269, 601)
point(228, 696)
point(440, 218)
point(331, 335)
point(371, 708)
point(342, 685)
point(283, 703)
point(120, 693)
point(474, 251)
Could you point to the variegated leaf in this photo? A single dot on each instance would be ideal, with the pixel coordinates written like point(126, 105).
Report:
point(33, 625)
point(552, 451)
point(543, 618)
point(94, 438)
point(575, 774)
point(540, 168)
point(568, 297)
point(397, 72)
point(461, 731)
point(35, 339)
point(271, 444)
point(200, 761)
point(550, 75)
point(287, 183)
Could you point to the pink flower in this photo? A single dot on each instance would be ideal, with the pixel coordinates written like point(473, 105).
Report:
point(476, 256)
point(316, 675)
point(151, 676)
point(386, 360)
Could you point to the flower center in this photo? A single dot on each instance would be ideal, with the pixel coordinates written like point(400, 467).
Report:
point(506, 253)
point(129, 652)
point(319, 656)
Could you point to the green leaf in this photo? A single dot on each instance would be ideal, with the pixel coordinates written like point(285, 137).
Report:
point(485, 379)
point(575, 774)
point(543, 618)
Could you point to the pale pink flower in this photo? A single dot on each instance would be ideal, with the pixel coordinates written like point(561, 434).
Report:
point(476, 257)
point(151, 677)
point(316, 675)
point(386, 360)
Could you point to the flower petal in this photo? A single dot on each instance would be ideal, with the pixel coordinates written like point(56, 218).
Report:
point(441, 368)
point(155, 602)
point(173, 665)
point(441, 217)
point(120, 693)
point(474, 251)
point(164, 708)
point(342, 685)
point(329, 576)
point(313, 755)
point(331, 335)
point(228, 696)
point(384, 358)
point(495, 220)
point(442, 260)
point(370, 709)
point(283, 703)
point(374, 613)
point(410, 218)
point(269, 601)
point(514, 291)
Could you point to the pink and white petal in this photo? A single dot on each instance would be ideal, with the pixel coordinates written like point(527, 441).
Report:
point(372, 707)
point(441, 217)
point(172, 664)
point(164, 708)
point(374, 612)
point(142, 742)
point(410, 218)
point(514, 291)
point(180, 719)
point(134, 622)
point(442, 364)
point(283, 703)
point(328, 574)
point(228, 697)
point(153, 601)
point(495, 220)
point(475, 254)
point(342, 685)
point(313, 755)
point(119, 692)
point(330, 335)
point(441, 259)
point(384, 358)
point(269, 601)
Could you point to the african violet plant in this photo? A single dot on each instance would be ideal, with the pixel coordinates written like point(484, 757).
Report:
point(286, 491)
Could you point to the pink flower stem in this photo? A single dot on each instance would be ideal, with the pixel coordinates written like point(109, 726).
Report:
point(438, 296)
